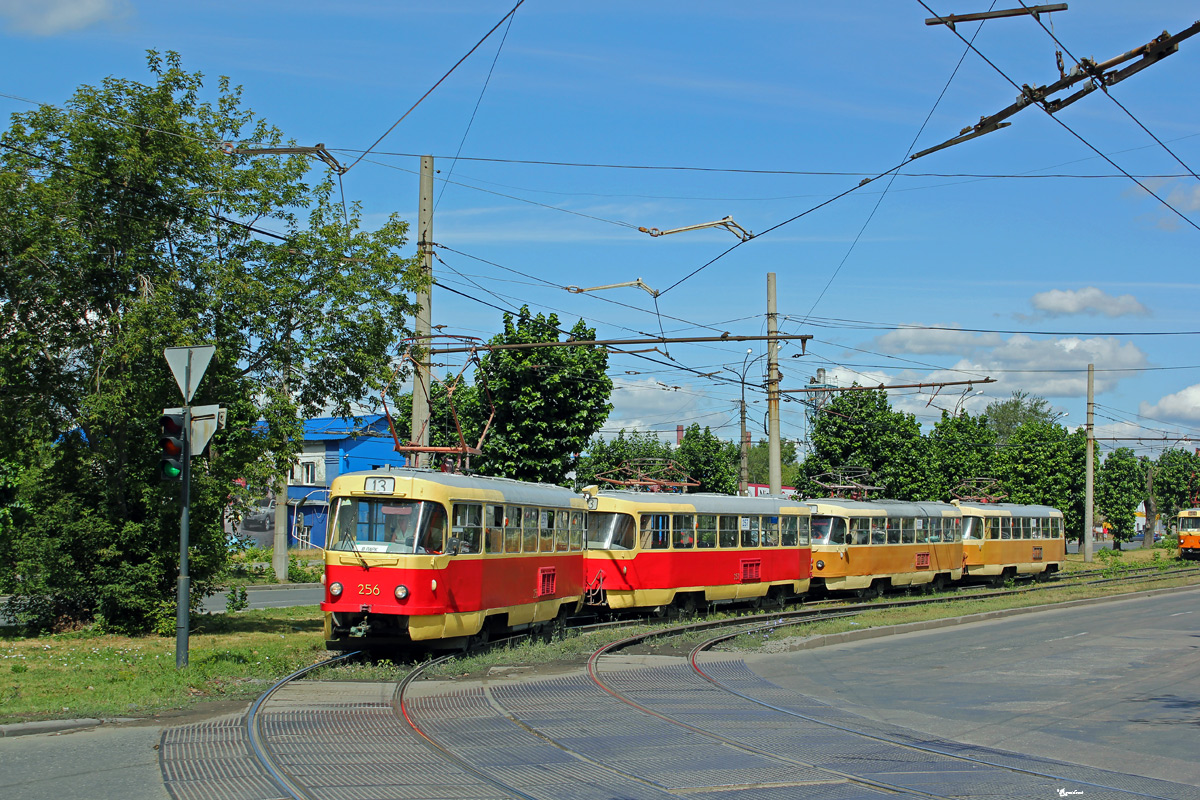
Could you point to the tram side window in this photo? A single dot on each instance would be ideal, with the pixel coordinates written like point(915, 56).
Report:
point(655, 531)
point(683, 531)
point(546, 530)
point(956, 528)
point(791, 530)
point(493, 529)
point(706, 531)
point(908, 530)
point(750, 532)
point(921, 528)
point(728, 530)
point(529, 530)
point(578, 525)
point(468, 528)
point(804, 529)
point(1006, 528)
point(878, 530)
point(512, 530)
point(562, 531)
point(860, 531)
point(770, 534)
point(935, 530)
point(893, 529)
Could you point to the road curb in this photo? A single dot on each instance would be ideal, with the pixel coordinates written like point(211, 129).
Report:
point(58, 725)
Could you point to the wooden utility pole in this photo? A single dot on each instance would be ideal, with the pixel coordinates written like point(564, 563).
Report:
point(1088, 520)
point(421, 327)
point(773, 454)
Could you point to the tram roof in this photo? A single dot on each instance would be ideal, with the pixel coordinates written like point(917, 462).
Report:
point(514, 491)
point(705, 502)
point(892, 508)
point(1008, 509)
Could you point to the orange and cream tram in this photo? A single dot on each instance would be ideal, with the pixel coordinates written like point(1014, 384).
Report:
point(1187, 524)
point(1004, 540)
point(664, 551)
point(871, 546)
point(440, 559)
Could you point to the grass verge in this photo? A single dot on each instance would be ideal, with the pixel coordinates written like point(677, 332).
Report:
point(86, 674)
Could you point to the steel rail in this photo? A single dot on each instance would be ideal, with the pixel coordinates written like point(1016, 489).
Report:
point(593, 673)
point(258, 741)
point(400, 708)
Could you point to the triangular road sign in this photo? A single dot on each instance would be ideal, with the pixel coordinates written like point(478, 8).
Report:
point(187, 365)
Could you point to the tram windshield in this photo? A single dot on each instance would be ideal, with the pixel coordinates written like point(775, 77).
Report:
point(611, 531)
point(1189, 523)
point(828, 530)
point(387, 526)
point(972, 528)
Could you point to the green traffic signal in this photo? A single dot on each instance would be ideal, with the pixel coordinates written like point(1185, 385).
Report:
point(173, 443)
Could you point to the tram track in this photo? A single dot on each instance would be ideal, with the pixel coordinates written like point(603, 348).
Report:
point(433, 735)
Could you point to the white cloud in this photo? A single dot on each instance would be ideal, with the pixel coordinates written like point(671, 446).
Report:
point(947, 339)
point(643, 405)
point(1051, 367)
point(49, 17)
point(1182, 406)
point(1093, 301)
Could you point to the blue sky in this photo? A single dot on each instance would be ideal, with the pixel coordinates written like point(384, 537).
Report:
point(1030, 254)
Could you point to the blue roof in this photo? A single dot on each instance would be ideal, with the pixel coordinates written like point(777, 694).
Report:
point(324, 429)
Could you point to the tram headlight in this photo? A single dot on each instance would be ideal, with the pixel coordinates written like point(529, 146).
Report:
point(401, 592)
point(335, 589)
point(820, 565)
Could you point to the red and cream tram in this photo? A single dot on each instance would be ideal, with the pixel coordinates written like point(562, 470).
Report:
point(438, 558)
point(1004, 540)
point(871, 546)
point(687, 551)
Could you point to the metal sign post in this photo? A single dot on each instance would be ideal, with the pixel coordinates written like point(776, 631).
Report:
point(187, 365)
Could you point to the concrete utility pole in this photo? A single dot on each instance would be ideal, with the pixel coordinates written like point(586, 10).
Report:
point(421, 325)
point(1088, 483)
point(773, 453)
point(744, 476)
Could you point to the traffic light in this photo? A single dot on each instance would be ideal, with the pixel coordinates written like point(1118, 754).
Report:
point(173, 443)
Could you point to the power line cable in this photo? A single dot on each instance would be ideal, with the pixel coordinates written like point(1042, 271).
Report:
point(436, 85)
point(475, 111)
point(1069, 129)
point(1108, 94)
point(892, 176)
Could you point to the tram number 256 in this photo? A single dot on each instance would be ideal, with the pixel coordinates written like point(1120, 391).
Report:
point(368, 588)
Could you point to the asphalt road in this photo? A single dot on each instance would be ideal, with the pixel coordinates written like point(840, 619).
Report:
point(1114, 685)
point(272, 596)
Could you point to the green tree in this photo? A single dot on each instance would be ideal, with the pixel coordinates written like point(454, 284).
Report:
point(1176, 481)
point(760, 465)
point(1041, 463)
point(603, 456)
point(961, 448)
point(1005, 416)
point(1120, 487)
point(124, 229)
point(714, 463)
point(549, 401)
point(860, 429)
